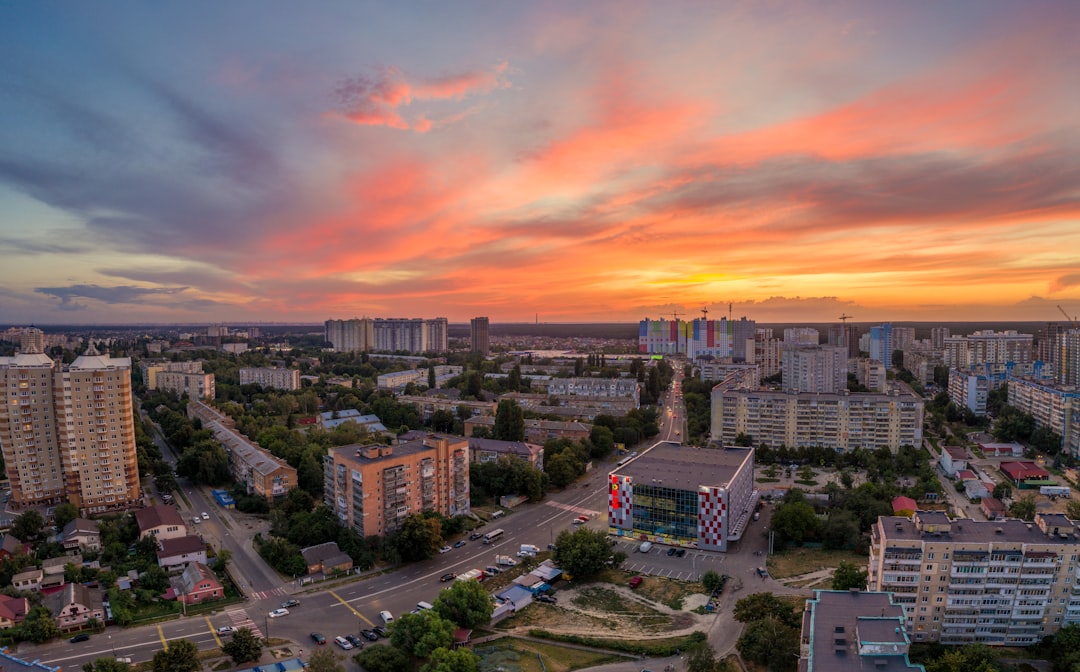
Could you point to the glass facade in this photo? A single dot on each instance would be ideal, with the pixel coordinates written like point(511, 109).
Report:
point(666, 511)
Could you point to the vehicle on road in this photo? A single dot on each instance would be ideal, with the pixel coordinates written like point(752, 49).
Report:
point(196, 520)
point(475, 535)
point(424, 606)
point(386, 616)
point(79, 638)
point(370, 635)
point(287, 604)
point(493, 535)
point(226, 630)
point(205, 515)
point(547, 599)
point(343, 643)
point(577, 521)
point(449, 576)
point(526, 554)
point(459, 543)
point(355, 641)
point(445, 549)
point(762, 572)
point(505, 560)
point(278, 613)
point(318, 638)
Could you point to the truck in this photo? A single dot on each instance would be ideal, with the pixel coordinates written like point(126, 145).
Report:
point(471, 575)
point(1055, 490)
point(505, 561)
point(529, 548)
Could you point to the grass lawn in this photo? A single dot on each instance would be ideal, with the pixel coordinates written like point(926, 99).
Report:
point(556, 658)
point(796, 561)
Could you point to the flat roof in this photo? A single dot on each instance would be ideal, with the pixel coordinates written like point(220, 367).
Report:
point(966, 530)
point(840, 623)
point(684, 467)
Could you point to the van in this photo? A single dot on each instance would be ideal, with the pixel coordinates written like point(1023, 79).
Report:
point(498, 514)
point(645, 547)
point(424, 606)
point(386, 617)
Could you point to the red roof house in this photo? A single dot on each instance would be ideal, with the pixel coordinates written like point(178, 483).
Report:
point(904, 504)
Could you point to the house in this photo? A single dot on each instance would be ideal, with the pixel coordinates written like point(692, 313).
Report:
point(326, 558)
point(28, 580)
point(1024, 473)
point(173, 554)
point(1012, 449)
point(953, 459)
point(904, 504)
point(53, 570)
point(992, 508)
point(197, 584)
point(160, 522)
point(81, 534)
point(12, 610)
point(74, 605)
point(12, 546)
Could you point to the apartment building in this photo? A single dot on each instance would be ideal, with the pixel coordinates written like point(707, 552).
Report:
point(814, 368)
point(854, 631)
point(1066, 357)
point(845, 336)
point(397, 380)
point(67, 433)
point(480, 335)
point(355, 335)
point(968, 389)
point(624, 388)
point(697, 338)
point(194, 385)
point(921, 361)
point(870, 373)
point(672, 494)
point(492, 450)
point(838, 421)
point(536, 431)
point(373, 488)
point(938, 336)
point(767, 352)
point(150, 369)
point(252, 466)
point(282, 379)
point(999, 350)
point(880, 344)
point(1054, 406)
point(1003, 582)
point(801, 336)
point(428, 405)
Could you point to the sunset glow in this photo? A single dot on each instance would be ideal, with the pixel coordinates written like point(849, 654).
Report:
point(272, 161)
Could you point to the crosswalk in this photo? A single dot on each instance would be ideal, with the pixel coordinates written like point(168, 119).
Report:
point(263, 594)
point(573, 509)
point(239, 618)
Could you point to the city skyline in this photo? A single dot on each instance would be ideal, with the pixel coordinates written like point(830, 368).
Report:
point(267, 162)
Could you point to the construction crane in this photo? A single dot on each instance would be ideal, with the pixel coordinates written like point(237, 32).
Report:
point(704, 312)
point(845, 317)
point(1075, 323)
point(675, 314)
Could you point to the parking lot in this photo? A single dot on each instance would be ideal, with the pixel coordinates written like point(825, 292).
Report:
point(658, 563)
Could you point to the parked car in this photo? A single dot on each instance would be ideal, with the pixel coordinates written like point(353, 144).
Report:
point(449, 576)
point(381, 631)
point(196, 520)
point(636, 581)
point(205, 515)
point(672, 551)
point(355, 641)
point(318, 638)
point(226, 630)
point(343, 643)
point(278, 613)
point(290, 603)
point(681, 552)
point(370, 635)
point(445, 549)
point(492, 570)
point(459, 543)
point(79, 638)
point(386, 616)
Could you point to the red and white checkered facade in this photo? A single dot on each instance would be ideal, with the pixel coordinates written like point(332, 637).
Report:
point(620, 501)
point(712, 518)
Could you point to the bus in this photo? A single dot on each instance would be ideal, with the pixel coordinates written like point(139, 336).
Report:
point(493, 535)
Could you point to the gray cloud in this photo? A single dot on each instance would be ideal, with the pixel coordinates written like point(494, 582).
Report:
point(110, 295)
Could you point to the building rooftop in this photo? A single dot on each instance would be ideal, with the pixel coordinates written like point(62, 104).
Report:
point(378, 452)
point(154, 516)
point(511, 447)
point(935, 526)
point(180, 545)
point(683, 467)
point(854, 631)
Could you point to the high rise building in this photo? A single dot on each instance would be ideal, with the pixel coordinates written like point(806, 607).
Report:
point(902, 337)
point(399, 334)
point(355, 335)
point(68, 433)
point(438, 334)
point(480, 337)
point(881, 344)
point(767, 352)
point(846, 336)
point(1067, 359)
point(32, 341)
point(721, 338)
point(938, 336)
point(389, 334)
point(801, 336)
point(814, 368)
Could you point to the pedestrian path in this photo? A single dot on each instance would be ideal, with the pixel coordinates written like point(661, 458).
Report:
point(240, 619)
point(573, 509)
point(263, 594)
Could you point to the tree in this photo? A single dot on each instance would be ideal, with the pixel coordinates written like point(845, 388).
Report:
point(584, 552)
point(968, 658)
point(1065, 648)
point(766, 605)
point(509, 421)
point(28, 526)
point(442, 420)
point(325, 660)
point(768, 641)
point(711, 581)
point(106, 665)
point(701, 658)
point(64, 514)
point(419, 538)
point(795, 522)
point(244, 646)
point(1003, 490)
point(422, 633)
point(1023, 508)
point(181, 656)
point(39, 626)
point(1072, 510)
point(431, 382)
point(466, 604)
point(840, 530)
point(383, 659)
point(456, 660)
point(848, 576)
point(603, 441)
point(221, 560)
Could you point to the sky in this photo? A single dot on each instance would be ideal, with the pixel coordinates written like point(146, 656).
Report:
point(247, 161)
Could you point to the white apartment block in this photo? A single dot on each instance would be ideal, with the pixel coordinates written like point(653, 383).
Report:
point(1003, 582)
point(870, 373)
point(749, 375)
point(801, 336)
point(991, 348)
point(627, 388)
point(902, 337)
point(1067, 357)
point(396, 380)
point(838, 421)
point(766, 352)
point(194, 385)
point(814, 368)
point(921, 362)
point(938, 336)
point(1052, 406)
point(969, 390)
point(282, 379)
point(68, 433)
point(150, 369)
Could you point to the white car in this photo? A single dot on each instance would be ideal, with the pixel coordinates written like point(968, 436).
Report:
point(386, 617)
point(226, 630)
point(277, 613)
point(205, 515)
point(196, 520)
point(343, 643)
point(445, 549)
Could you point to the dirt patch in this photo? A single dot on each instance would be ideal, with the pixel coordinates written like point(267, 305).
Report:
point(798, 561)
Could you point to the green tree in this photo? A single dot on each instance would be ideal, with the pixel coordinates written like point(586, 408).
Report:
point(442, 420)
point(847, 576)
point(466, 604)
point(452, 660)
point(509, 421)
point(701, 658)
point(770, 642)
point(243, 646)
point(106, 665)
point(711, 581)
point(1023, 508)
point(795, 522)
point(1003, 490)
point(181, 656)
point(562, 468)
point(766, 605)
point(384, 659)
point(422, 633)
point(968, 658)
point(1065, 649)
point(840, 530)
point(419, 538)
point(1072, 509)
point(431, 382)
point(64, 514)
point(603, 441)
point(39, 626)
point(222, 559)
point(584, 552)
point(28, 526)
point(324, 659)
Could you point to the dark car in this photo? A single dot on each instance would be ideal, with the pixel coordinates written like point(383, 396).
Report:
point(449, 576)
point(672, 551)
point(318, 639)
point(370, 635)
point(381, 631)
point(288, 604)
point(79, 638)
point(681, 552)
point(475, 535)
point(354, 640)
point(459, 544)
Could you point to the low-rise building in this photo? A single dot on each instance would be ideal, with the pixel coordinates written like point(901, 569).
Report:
point(491, 450)
point(332, 419)
point(13, 610)
point(194, 385)
point(536, 431)
point(854, 631)
point(953, 459)
point(282, 379)
point(174, 554)
point(1023, 473)
point(160, 522)
point(30, 580)
point(11, 545)
point(197, 584)
point(74, 605)
point(427, 405)
point(326, 558)
point(81, 534)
